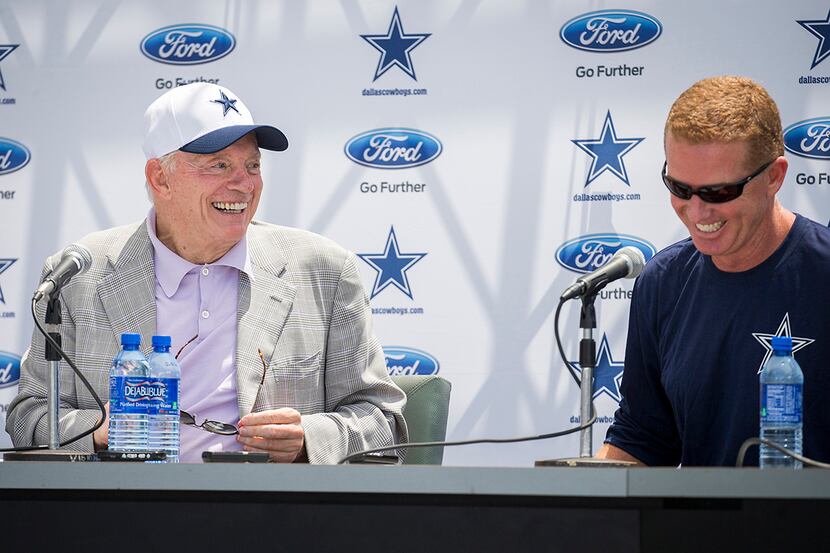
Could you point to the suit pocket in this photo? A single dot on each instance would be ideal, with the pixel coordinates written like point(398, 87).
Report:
point(294, 381)
point(296, 366)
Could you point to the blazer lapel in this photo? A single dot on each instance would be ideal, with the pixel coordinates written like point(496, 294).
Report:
point(264, 304)
point(128, 293)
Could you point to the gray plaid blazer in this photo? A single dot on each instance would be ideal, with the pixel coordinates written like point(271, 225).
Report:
point(305, 308)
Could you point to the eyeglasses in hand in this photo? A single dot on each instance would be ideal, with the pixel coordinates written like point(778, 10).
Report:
point(216, 427)
point(223, 428)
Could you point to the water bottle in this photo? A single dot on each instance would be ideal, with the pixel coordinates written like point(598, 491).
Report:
point(128, 399)
point(164, 406)
point(781, 407)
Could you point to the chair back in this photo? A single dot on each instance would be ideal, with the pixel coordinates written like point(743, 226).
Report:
point(426, 411)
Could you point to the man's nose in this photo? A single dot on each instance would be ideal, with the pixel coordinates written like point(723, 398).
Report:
point(242, 180)
point(697, 208)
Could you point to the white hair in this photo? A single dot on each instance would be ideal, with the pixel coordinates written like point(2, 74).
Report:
point(168, 164)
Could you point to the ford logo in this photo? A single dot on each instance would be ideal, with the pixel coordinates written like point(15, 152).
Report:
point(810, 138)
point(407, 361)
point(393, 148)
point(188, 44)
point(610, 31)
point(590, 252)
point(9, 369)
point(13, 156)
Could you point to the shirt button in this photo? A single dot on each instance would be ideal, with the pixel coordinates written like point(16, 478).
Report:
point(205, 271)
point(205, 314)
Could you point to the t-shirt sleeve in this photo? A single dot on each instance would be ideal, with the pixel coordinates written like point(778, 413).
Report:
point(644, 425)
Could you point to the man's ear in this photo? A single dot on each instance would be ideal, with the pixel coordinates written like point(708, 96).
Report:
point(156, 179)
point(777, 172)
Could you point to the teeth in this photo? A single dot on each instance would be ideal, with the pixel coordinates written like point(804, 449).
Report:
point(228, 206)
point(709, 228)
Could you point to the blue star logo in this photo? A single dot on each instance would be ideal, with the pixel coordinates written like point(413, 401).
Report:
point(608, 373)
point(5, 264)
point(391, 266)
point(820, 28)
point(395, 47)
point(607, 152)
point(5, 50)
point(227, 103)
point(783, 330)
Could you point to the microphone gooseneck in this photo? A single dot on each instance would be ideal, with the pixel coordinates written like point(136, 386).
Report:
point(628, 262)
point(75, 259)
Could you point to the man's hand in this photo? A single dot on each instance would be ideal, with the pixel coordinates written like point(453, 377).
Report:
point(276, 432)
point(100, 437)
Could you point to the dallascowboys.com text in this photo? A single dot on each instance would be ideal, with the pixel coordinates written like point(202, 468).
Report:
point(605, 197)
point(397, 311)
point(394, 91)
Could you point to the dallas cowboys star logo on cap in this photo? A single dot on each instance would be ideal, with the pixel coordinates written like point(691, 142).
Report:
point(607, 152)
point(5, 264)
point(820, 28)
point(5, 50)
point(608, 373)
point(227, 103)
point(783, 330)
point(395, 47)
point(391, 266)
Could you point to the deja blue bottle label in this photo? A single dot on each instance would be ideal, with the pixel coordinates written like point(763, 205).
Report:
point(166, 399)
point(781, 403)
point(131, 395)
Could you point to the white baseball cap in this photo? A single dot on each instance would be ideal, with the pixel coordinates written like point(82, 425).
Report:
point(202, 118)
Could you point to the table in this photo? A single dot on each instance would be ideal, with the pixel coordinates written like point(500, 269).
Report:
point(210, 507)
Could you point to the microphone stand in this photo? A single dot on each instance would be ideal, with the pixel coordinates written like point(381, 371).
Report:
point(587, 362)
point(53, 321)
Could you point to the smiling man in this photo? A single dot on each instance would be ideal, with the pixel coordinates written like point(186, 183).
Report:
point(273, 324)
point(704, 309)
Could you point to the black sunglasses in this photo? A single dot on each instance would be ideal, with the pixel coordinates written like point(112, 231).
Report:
point(223, 428)
point(715, 194)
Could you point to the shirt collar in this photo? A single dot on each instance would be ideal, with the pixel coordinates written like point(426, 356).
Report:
point(171, 268)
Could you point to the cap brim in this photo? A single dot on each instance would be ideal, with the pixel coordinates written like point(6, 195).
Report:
point(270, 138)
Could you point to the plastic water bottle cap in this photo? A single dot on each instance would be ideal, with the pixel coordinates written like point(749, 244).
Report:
point(130, 339)
point(162, 341)
point(782, 343)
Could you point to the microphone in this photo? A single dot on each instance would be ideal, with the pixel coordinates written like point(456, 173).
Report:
point(628, 262)
point(75, 259)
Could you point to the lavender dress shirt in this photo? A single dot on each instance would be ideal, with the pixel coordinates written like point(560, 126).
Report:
point(201, 301)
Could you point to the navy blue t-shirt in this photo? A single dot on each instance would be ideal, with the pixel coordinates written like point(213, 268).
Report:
point(697, 338)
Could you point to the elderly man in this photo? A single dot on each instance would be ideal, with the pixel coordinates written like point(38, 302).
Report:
point(704, 309)
point(273, 323)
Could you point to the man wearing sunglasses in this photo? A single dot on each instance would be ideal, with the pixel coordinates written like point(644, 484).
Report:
point(272, 323)
point(704, 309)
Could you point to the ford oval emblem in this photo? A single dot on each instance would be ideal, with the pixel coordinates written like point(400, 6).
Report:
point(13, 156)
point(408, 361)
point(588, 253)
point(9, 369)
point(188, 44)
point(396, 148)
point(611, 31)
point(810, 138)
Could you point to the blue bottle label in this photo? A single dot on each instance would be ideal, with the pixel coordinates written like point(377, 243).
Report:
point(165, 400)
point(781, 403)
point(131, 395)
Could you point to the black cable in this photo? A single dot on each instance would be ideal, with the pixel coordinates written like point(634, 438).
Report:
point(565, 432)
point(475, 441)
point(83, 379)
point(749, 442)
point(559, 345)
